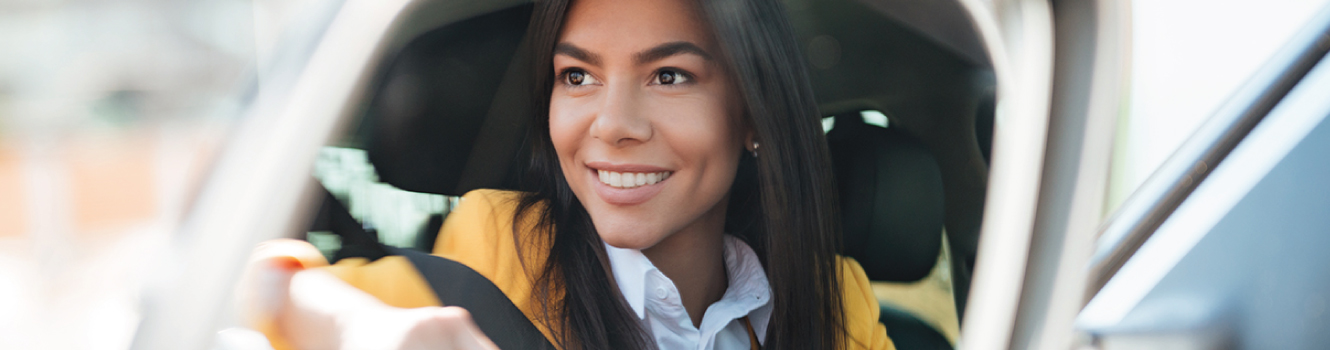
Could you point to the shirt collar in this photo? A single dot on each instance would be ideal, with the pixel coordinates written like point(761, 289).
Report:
point(748, 288)
point(630, 269)
point(748, 285)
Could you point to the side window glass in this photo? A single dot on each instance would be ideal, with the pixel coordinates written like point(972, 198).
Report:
point(400, 218)
point(1187, 57)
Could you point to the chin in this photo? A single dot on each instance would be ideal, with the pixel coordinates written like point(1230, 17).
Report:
point(627, 235)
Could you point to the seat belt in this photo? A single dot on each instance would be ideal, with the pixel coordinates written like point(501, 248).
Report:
point(458, 285)
point(752, 336)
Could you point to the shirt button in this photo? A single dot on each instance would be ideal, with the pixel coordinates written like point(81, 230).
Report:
point(661, 293)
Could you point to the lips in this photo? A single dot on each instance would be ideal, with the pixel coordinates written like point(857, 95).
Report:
point(626, 184)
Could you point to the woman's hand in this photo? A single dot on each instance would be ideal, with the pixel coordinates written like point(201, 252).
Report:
point(386, 327)
point(312, 309)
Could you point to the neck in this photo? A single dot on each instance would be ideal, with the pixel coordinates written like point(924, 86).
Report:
point(694, 259)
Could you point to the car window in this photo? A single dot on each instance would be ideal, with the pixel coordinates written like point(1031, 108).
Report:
point(1187, 57)
point(400, 218)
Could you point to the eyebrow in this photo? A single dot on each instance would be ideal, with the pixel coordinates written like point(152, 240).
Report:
point(657, 53)
point(576, 52)
point(670, 49)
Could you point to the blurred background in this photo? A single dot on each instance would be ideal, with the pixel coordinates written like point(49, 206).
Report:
point(111, 112)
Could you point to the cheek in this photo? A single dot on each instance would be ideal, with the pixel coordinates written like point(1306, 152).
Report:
point(701, 130)
point(566, 129)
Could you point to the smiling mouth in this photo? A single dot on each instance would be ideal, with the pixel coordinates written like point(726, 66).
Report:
point(631, 180)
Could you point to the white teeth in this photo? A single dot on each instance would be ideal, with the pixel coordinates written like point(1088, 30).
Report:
point(631, 180)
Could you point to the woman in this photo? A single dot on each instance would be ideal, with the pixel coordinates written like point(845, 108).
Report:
point(648, 112)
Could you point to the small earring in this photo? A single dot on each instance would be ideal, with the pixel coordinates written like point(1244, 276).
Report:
point(754, 151)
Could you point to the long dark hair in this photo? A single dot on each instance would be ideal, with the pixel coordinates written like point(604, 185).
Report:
point(782, 202)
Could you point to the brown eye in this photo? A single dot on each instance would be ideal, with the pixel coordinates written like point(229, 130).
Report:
point(576, 78)
point(669, 77)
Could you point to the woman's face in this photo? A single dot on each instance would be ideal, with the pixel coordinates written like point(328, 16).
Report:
point(644, 118)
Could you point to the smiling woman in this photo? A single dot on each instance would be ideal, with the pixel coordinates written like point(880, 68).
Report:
point(679, 196)
point(648, 88)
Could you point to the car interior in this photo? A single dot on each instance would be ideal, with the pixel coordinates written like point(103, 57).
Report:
point(446, 112)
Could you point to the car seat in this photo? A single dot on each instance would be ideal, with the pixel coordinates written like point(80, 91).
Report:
point(891, 198)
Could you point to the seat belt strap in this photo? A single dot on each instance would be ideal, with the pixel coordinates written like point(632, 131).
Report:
point(456, 284)
point(752, 336)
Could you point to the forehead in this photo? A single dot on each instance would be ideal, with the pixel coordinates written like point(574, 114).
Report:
point(614, 27)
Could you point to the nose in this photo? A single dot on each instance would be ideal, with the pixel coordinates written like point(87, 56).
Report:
point(620, 121)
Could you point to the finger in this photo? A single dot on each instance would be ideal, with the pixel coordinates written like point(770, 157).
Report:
point(265, 281)
point(452, 326)
point(324, 312)
point(471, 335)
point(263, 288)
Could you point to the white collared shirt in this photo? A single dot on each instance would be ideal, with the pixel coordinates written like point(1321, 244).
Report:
point(655, 300)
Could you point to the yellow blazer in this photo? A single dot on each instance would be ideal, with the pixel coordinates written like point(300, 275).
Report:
point(478, 234)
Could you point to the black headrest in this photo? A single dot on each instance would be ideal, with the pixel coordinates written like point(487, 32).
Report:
point(891, 199)
point(449, 114)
